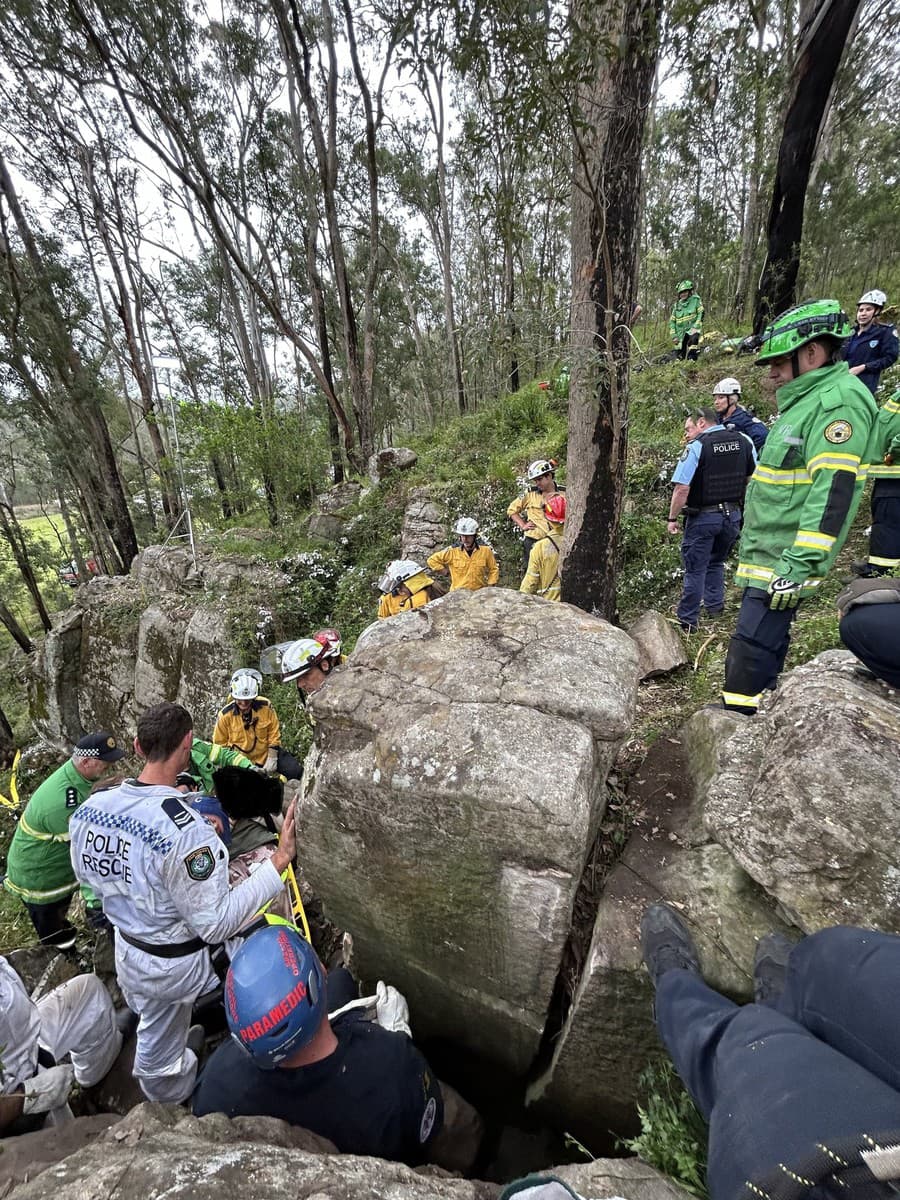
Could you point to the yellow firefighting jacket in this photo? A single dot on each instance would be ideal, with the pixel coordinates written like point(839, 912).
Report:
point(472, 571)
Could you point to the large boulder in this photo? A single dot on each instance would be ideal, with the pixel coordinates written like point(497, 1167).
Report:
point(205, 666)
point(53, 685)
point(806, 792)
point(109, 639)
point(660, 645)
point(157, 670)
point(424, 525)
point(394, 458)
point(452, 799)
point(163, 1151)
point(609, 1035)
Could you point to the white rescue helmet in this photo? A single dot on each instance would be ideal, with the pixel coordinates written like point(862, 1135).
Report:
point(300, 657)
point(398, 572)
point(876, 296)
point(245, 683)
point(466, 527)
point(727, 387)
point(540, 466)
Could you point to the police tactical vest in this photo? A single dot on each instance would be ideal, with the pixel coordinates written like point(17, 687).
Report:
point(721, 475)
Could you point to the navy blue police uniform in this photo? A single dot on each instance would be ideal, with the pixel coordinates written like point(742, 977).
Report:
point(716, 465)
point(876, 347)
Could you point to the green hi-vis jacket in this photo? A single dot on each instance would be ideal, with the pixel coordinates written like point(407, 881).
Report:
point(39, 869)
point(886, 440)
point(809, 480)
point(687, 317)
point(205, 757)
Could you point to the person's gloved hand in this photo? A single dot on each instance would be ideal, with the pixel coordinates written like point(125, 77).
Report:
point(783, 593)
point(271, 764)
point(48, 1089)
point(392, 1011)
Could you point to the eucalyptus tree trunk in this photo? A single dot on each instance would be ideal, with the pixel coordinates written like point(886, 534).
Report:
point(749, 232)
point(611, 106)
point(824, 35)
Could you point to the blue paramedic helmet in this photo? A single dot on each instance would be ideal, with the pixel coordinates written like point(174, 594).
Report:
point(274, 995)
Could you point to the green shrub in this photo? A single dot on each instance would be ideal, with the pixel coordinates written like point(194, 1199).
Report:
point(673, 1134)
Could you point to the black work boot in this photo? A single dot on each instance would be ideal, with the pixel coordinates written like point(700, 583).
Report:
point(666, 943)
point(770, 967)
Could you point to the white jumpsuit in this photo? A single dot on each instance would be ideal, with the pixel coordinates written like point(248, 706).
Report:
point(162, 875)
point(76, 1018)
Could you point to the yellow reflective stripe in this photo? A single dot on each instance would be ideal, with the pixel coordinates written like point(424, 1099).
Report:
point(834, 462)
point(751, 572)
point(779, 477)
point(883, 471)
point(817, 541)
point(884, 562)
point(743, 701)
point(42, 837)
point(39, 897)
point(892, 406)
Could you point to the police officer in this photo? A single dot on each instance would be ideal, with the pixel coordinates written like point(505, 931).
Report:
point(710, 479)
point(726, 397)
point(872, 347)
point(39, 869)
point(161, 873)
point(76, 1020)
point(686, 321)
point(361, 1084)
point(804, 493)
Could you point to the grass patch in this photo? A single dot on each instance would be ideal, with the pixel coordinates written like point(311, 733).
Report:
point(673, 1135)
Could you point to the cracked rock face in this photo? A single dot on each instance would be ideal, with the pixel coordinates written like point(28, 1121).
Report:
point(452, 799)
point(160, 1151)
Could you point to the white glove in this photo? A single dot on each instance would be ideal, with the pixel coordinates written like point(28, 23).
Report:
point(48, 1090)
point(270, 766)
point(392, 1011)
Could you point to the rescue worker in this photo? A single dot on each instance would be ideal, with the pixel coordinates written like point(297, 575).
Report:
point(161, 874)
point(542, 576)
point(726, 402)
point(801, 1089)
point(870, 626)
point(873, 347)
point(884, 470)
point(204, 759)
point(360, 1083)
point(405, 585)
point(686, 321)
point(308, 662)
point(527, 511)
point(710, 480)
point(39, 869)
point(76, 1019)
point(470, 561)
point(804, 493)
point(249, 723)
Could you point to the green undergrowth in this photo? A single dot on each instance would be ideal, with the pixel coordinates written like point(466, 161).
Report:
point(673, 1134)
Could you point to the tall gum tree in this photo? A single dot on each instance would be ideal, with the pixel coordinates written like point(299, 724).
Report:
point(620, 42)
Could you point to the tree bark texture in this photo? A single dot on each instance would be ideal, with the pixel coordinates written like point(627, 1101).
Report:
point(606, 208)
point(822, 41)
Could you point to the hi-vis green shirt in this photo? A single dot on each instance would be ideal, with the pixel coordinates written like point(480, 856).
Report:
point(39, 869)
point(686, 317)
point(809, 480)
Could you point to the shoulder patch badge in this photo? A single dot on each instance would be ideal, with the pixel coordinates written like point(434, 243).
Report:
point(180, 816)
point(200, 863)
point(72, 798)
point(838, 431)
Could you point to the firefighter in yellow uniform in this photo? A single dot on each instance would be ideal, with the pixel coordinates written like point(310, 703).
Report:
point(527, 511)
point(542, 576)
point(249, 723)
point(470, 561)
point(405, 585)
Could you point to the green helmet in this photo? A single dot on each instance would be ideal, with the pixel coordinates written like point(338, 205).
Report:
point(805, 323)
point(686, 285)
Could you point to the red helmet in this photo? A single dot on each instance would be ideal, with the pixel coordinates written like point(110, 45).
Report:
point(331, 640)
point(555, 509)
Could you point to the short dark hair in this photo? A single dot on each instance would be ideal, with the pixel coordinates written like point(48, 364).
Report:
point(161, 729)
point(705, 414)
